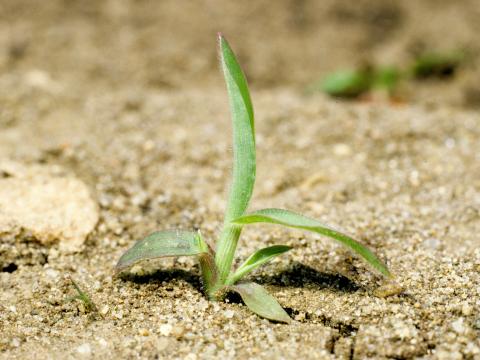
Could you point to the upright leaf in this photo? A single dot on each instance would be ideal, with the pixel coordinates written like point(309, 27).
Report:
point(257, 259)
point(293, 220)
point(243, 132)
point(243, 156)
point(163, 244)
point(261, 302)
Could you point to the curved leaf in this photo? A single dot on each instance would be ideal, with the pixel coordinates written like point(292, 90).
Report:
point(261, 302)
point(163, 244)
point(293, 220)
point(257, 259)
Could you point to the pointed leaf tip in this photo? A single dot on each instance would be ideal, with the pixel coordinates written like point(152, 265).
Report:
point(257, 259)
point(297, 221)
point(243, 126)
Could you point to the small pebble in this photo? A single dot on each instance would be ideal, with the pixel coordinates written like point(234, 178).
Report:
point(103, 343)
point(229, 314)
point(143, 332)
point(389, 289)
point(178, 331)
point(165, 329)
point(458, 326)
point(84, 349)
point(104, 310)
point(15, 342)
point(467, 310)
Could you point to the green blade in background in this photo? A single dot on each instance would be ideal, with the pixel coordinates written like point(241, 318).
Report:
point(261, 302)
point(257, 259)
point(435, 64)
point(163, 244)
point(293, 220)
point(347, 83)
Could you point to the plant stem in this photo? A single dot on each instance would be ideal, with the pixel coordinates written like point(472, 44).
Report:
point(226, 247)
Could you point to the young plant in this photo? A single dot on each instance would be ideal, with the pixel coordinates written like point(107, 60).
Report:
point(83, 297)
point(216, 265)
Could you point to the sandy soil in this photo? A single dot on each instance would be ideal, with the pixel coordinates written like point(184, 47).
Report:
point(126, 97)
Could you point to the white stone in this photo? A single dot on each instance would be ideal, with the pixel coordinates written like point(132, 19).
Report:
point(84, 349)
point(102, 342)
point(104, 310)
point(165, 329)
point(458, 326)
point(467, 310)
point(15, 342)
point(47, 203)
point(52, 273)
point(229, 314)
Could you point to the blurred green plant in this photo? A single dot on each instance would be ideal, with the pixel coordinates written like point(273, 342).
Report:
point(436, 64)
point(352, 83)
point(216, 265)
point(348, 83)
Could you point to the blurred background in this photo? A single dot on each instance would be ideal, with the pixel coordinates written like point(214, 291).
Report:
point(283, 43)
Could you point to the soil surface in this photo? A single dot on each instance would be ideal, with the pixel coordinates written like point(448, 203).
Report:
point(125, 97)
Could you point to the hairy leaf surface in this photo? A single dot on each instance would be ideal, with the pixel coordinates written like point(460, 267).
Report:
point(243, 156)
point(293, 220)
point(243, 132)
point(261, 302)
point(163, 244)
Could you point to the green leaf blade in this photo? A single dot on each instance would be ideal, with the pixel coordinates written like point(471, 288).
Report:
point(162, 244)
point(241, 108)
point(293, 220)
point(261, 302)
point(257, 259)
point(244, 162)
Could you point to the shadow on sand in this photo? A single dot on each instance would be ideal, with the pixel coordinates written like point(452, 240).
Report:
point(166, 275)
point(297, 275)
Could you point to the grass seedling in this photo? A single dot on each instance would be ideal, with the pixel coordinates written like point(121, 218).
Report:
point(216, 265)
point(83, 297)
